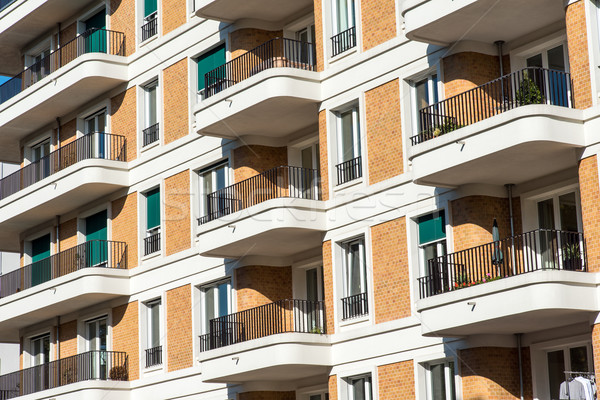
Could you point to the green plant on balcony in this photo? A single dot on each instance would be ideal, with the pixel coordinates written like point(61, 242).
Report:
point(447, 126)
point(317, 330)
point(463, 281)
point(528, 92)
point(118, 373)
point(571, 256)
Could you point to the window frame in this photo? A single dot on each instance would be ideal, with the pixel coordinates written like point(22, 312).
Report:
point(368, 386)
point(212, 168)
point(450, 381)
point(346, 264)
point(433, 80)
point(441, 243)
point(204, 321)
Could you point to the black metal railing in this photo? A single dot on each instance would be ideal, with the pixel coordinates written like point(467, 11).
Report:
point(152, 244)
point(154, 356)
point(94, 145)
point(276, 53)
point(284, 181)
point(283, 316)
point(349, 170)
point(343, 41)
point(542, 249)
point(531, 85)
point(150, 28)
point(151, 134)
point(94, 253)
point(355, 306)
point(91, 41)
point(91, 365)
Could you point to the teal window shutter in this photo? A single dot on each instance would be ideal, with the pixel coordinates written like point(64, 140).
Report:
point(432, 227)
point(150, 6)
point(153, 208)
point(209, 61)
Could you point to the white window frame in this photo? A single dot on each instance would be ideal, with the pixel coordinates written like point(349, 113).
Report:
point(202, 204)
point(448, 378)
point(154, 84)
point(368, 386)
point(356, 132)
point(434, 89)
point(150, 320)
point(346, 263)
point(440, 242)
point(351, 16)
point(203, 290)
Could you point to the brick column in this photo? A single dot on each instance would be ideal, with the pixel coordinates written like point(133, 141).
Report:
point(590, 210)
point(579, 58)
point(596, 349)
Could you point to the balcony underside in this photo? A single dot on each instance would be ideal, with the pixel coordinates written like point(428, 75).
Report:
point(264, 10)
point(514, 147)
point(446, 21)
point(77, 83)
point(520, 304)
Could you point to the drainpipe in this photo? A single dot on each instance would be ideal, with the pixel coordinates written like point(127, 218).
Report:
point(512, 226)
point(499, 44)
point(519, 336)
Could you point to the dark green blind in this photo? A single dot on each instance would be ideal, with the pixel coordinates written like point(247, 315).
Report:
point(209, 61)
point(150, 6)
point(153, 208)
point(40, 248)
point(432, 227)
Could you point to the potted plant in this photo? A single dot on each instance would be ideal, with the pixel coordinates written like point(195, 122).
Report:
point(571, 256)
point(528, 92)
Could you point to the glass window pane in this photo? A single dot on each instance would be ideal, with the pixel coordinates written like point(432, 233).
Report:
point(579, 359)
point(355, 281)
point(307, 158)
point(568, 212)
point(342, 15)
point(101, 123)
point(347, 136)
point(434, 88)
point(438, 382)
point(220, 177)
point(209, 307)
point(154, 325)
point(151, 117)
point(358, 389)
point(556, 58)
point(422, 94)
point(451, 383)
point(311, 285)
point(546, 214)
point(535, 61)
point(556, 372)
point(223, 290)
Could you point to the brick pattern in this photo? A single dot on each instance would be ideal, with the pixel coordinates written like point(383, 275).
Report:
point(252, 160)
point(173, 14)
point(66, 35)
point(391, 284)
point(258, 285)
point(493, 373)
point(396, 381)
point(68, 339)
point(176, 113)
point(590, 209)
point(68, 234)
point(332, 384)
point(179, 328)
point(596, 346)
point(384, 132)
point(244, 40)
point(177, 213)
point(21, 353)
point(319, 34)
point(68, 132)
point(264, 395)
point(324, 160)
point(579, 57)
point(378, 22)
point(464, 71)
point(125, 224)
point(122, 121)
point(328, 286)
point(473, 218)
point(122, 19)
point(126, 335)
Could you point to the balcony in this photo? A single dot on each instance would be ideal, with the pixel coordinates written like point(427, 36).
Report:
point(446, 21)
point(71, 176)
point(72, 279)
point(528, 282)
point(93, 365)
point(154, 356)
point(272, 91)
point(510, 130)
point(81, 70)
point(273, 342)
point(343, 41)
point(280, 205)
point(265, 10)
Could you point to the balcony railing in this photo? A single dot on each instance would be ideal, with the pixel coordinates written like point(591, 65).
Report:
point(343, 41)
point(94, 253)
point(152, 244)
point(91, 41)
point(283, 316)
point(276, 53)
point(542, 249)
point(151, 134)
point(154, 356)
point(532, 85)
point(349, 170)
point(91, 365)
point(150, 28)
point(94, 145)
point(285, 181)
point(355, 306)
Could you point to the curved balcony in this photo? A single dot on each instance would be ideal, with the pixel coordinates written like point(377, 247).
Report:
point(270, 91)
point(279, 339)
point(280, 205)
point(527, 282)
point(265, 10)
point(513, 129)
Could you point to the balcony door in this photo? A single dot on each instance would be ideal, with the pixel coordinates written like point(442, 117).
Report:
point(40, 161)
point(314, 295)
point(213, 179)
point(40, 358)
point(308, 181)
point(96, 236)
point(41, 266)
point(96, 345)
point(555, 81)
point(216, 305)
point(95, 33)
point(95, 128)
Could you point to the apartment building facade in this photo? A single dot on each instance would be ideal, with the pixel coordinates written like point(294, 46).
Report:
point(310, 200)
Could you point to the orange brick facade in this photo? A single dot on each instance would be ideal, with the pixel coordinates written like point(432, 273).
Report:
point(68, 234)
point(122, 19)
point(125, 320)
point(378, 22)
point(384, 128)
point(579, 58)
point(177, 213)
point(396, 381)
point(464, 71)
point(252, 160)
point(244, 40)
point(332, 385)
point(124, 226)
point(328, 285)
point(596, 346)
point(68, 132)
point(122, 121)
point(68, 339)
point(590, 209)
point(258, 285)
point(176, 119)
point(319, 34)
point(179, 328)
point(323, 155)
point(173, 14)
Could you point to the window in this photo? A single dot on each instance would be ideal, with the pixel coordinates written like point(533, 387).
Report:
point(39, 157)
point(96, 344)
point(211, 180)
point(359, 387)
point(153, 343)
point(573, 358)
point(355, 302)
point(97, 141)
point(432, 244)
point(440, 381)
point(344, 31)
point(40, 356)
point(151, 130)
point(348, 145)
point(150, 26)
point(216, 304)
point(207, 62)
point(307, 36)
point(426, 95)
point(152, 240)
point(38, 65)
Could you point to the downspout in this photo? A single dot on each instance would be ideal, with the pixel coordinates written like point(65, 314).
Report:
point(58, 343)
point(512, 226)
point(519, 335)
point(499, 44)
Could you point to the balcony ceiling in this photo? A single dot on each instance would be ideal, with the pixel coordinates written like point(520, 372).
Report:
point(265, 10)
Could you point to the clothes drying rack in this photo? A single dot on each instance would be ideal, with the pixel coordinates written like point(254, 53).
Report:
point(570, 375)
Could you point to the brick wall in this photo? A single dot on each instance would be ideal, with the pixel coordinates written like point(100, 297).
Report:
point(590, 209)
point(391, 285)
point(332, 383)
point(175, 94)
point(319, 34)
point(323, 158)
point(68, 339)
point(579, 58)
point(328, 286)
point(122, 19)
point(396, 381)
point(173, 14)
point(596, 346)
point(464, 71)
point(258, 285)
point(123, 119)
point(126, 335)
point(66, 35)
point(384, 132)
point(252, 160)
point(179, 328)
point(125, 226)
point(244, 40)
point(68, 234)
point(177, 212)
point(493, 373)
point(68, 132)
point(264, 395)
point(378, 22)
